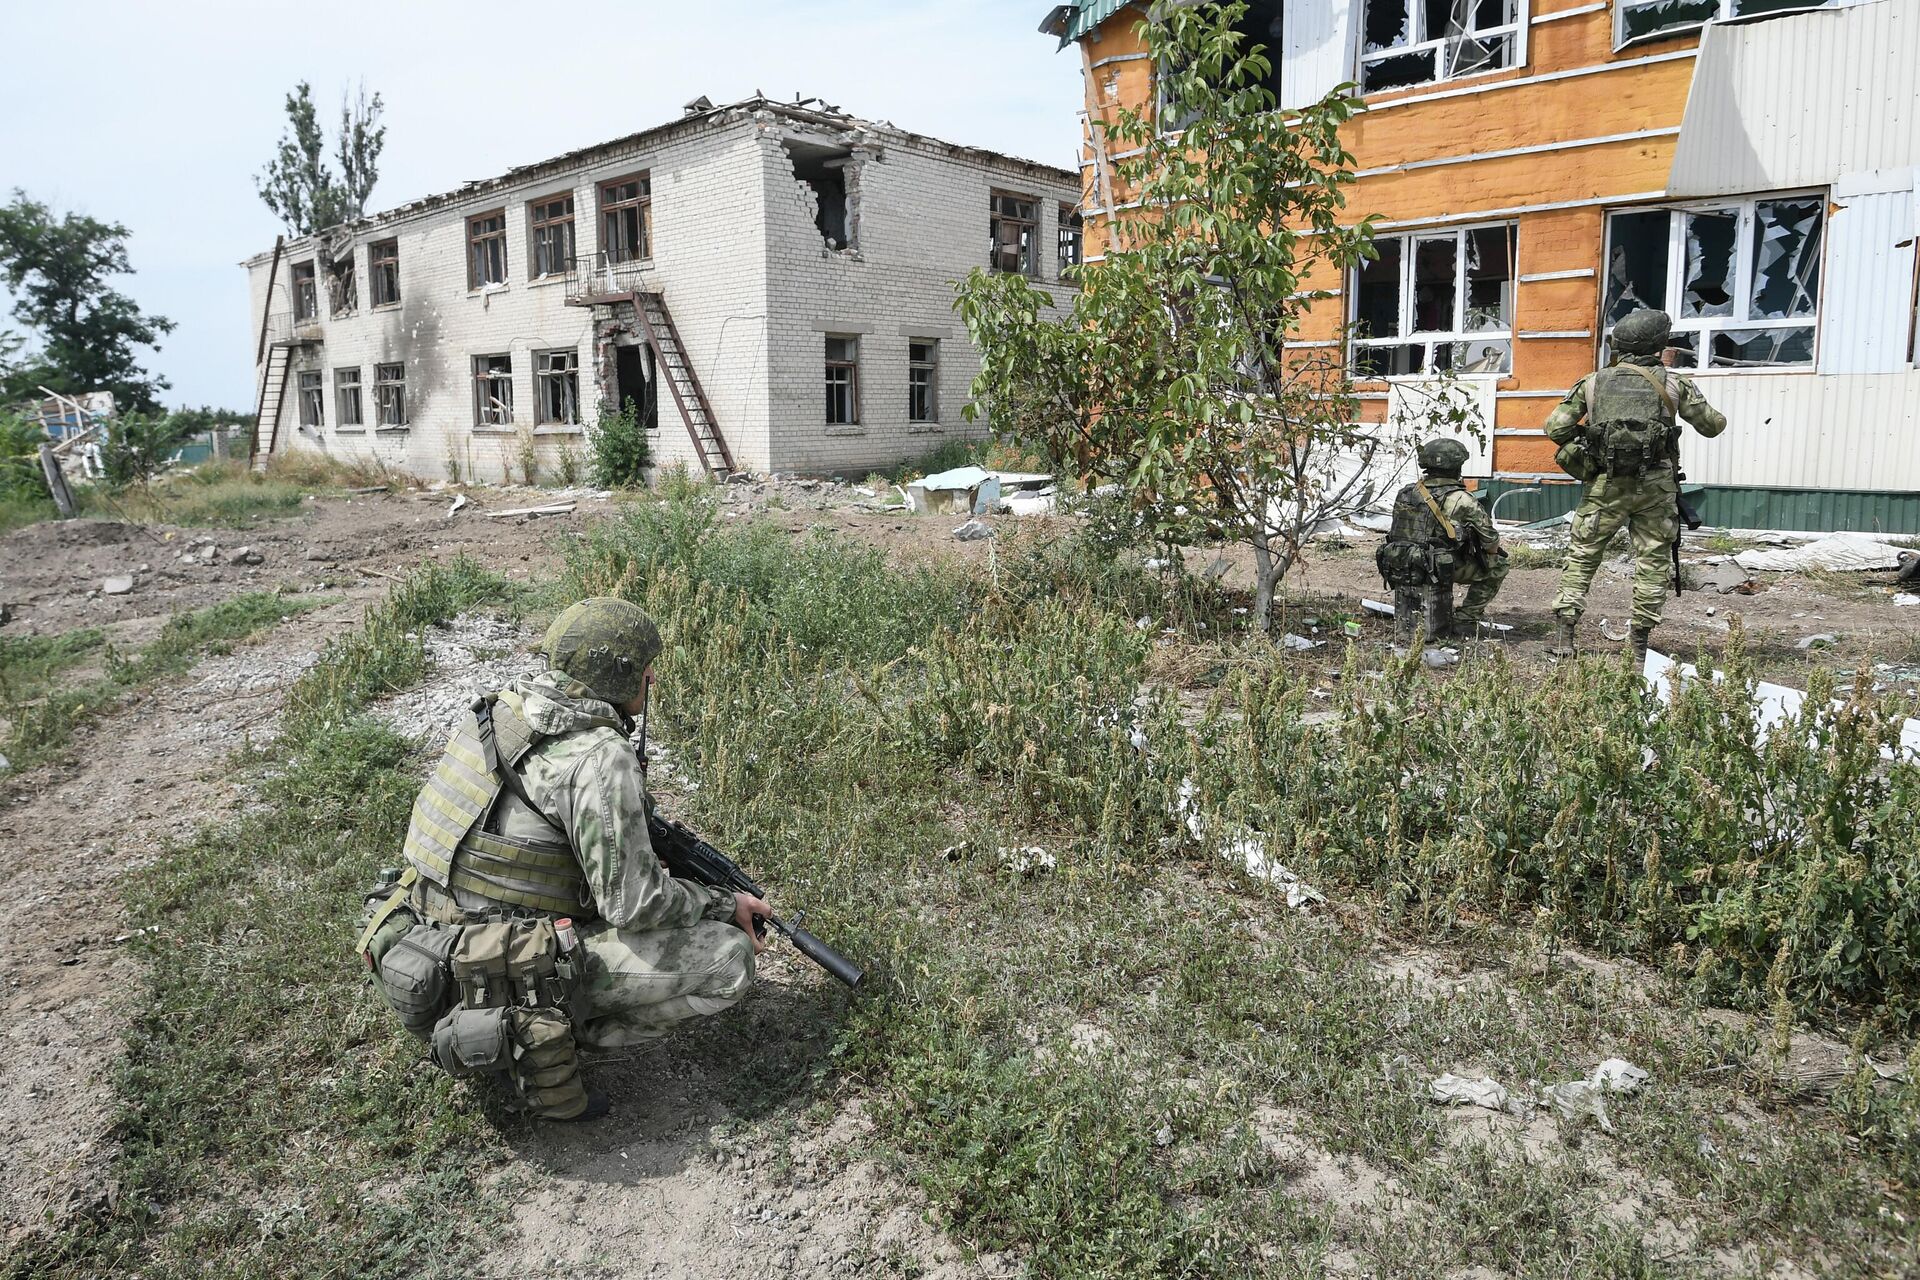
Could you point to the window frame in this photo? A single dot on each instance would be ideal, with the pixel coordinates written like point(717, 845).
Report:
point(1516, 30)
point(1704, 327)
point(1031, 269)
point(851, 383)
point(929, 369)
point(378, 267)
point(343, 281)
point(383, 388)
point(358, 422)
point(305, 289)
point(476, 280)
point(1622, 40)
point(486, 377)
point(537, 224)
point(1459, 334)
point(643, 225)
point(311, 398)
point(543, 377)
point(1071, 230)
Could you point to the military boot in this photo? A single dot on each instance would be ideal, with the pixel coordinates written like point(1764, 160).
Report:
point(1638, 639)
point(1563, 637)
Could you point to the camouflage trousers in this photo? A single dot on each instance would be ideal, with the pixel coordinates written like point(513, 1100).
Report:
point(637, 985)
point(1482, 583)
point(1647, 506)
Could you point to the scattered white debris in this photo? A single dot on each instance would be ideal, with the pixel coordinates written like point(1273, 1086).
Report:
point(118, 585)
point(972, 531)
point(865, 492)
point(552, 509)
point(459, 501)
point(1300, 643)
point(1155, 564)
point(1577, 1099)
point(1905, 599)
point(1438, 659)
point(1845, 552)
point(1822, 640)
point(1480, 1091)
point(1617, 1075)
point(1380, 607)
point(1244, 848)
point(1772, 703)
point(1027, 860)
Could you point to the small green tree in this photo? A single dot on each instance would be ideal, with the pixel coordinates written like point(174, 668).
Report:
point(1180, 372)
point(619, 448)
point(20, 475)
point(300, 186)
point(139, 446)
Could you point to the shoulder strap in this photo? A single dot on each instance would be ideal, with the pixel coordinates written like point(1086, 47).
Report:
point(1590, 380)
point(508, 775)
point(1445, 524)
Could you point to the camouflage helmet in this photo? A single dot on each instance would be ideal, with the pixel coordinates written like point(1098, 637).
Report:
point(1442, 457)
point(1644, 333)
point(604, 645)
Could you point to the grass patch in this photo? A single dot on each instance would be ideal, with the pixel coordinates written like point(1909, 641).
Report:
point(995, 455)
point(29, 664)
point(271, 1117)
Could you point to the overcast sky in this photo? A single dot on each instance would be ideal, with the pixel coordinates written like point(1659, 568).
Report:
point(158, 115)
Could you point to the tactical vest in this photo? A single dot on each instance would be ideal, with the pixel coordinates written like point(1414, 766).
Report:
point(448, 843)
point(1419, 550)
point(1631, 427)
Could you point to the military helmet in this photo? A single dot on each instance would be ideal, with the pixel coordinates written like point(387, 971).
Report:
point(1443, 457)
point(1644, 333)
point(604, 645)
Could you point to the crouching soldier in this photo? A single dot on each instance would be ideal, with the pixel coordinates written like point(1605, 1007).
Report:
point(532, 917)
point(1441, 536)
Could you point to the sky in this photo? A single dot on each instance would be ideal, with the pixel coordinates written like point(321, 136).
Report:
point(158, 116)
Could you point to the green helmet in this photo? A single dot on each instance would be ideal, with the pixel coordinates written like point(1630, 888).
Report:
point(1443, 457)
point(604, 645)
point(1644, 333)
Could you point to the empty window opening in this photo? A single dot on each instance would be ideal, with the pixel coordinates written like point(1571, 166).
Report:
point(1436, 300)
point(626, 218)
point(390, 394)
point(1259, 28)
point(550, 235)
point(306, 292)
point(634, 383)
point(1071, 239)
point(493, 391)
point(487, 250)
point(1409, 42)
point(346, 398)
point(343, 290)
point(556, 379)
point(923, 380)
point(829, 176)
point(383, 273)
point(843, 380)
point(312, 399)
point(1658, 19)
point(1741, 279)
point(1012, 228)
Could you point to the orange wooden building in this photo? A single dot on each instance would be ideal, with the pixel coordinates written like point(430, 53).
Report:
point(1542, 167)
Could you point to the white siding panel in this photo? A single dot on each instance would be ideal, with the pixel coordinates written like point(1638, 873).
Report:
point(1867, 295)
point(1318, 50)
point(1811, 431)
point(1796, 101)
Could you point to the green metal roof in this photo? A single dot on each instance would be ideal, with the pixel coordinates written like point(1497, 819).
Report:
point(1085, 15)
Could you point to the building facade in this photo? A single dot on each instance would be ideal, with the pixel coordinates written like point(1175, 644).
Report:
point(1542, 167)
point(769, 284)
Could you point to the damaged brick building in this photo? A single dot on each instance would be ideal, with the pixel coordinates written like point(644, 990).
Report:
point(769, 283)
point(1542, 167)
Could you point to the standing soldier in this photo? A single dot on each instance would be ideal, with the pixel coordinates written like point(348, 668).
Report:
point(1628, 453)
point(1441, 536)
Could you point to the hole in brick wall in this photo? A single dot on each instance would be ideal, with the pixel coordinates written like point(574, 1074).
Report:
point(823, 173)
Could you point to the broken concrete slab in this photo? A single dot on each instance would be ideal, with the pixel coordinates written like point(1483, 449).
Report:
point(552, 509)
point(118, 585)
point(1842, 552)
point(972, 531)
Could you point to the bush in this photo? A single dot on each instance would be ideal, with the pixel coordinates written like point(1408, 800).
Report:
point(139, 446)
point(21, 479)
point(619, 449)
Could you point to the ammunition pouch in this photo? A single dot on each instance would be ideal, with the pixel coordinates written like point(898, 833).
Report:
point(1578, 461)
point(1414, 566)
point(469, 1041)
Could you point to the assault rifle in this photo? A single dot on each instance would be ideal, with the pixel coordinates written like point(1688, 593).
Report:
point(689, 857)
point(1689, 518)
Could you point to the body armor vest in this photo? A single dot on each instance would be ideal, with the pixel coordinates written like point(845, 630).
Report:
point(1419, 550)
point(448, 843)
point(1631, 428)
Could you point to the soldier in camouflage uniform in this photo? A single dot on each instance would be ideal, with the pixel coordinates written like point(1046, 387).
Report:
point(571, 838)
point(1437, 512)
point(1619, 430)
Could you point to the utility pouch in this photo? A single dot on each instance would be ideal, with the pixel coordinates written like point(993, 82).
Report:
point(469, 1041)
point(1402, 564)
point(510, 962)
point(1577, 460)
point(546, 1065)
point(1440, 566)
point(415, 977)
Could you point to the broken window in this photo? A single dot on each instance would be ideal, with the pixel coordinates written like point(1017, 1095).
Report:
point(312, 399)
point(1650, 19)
point(1409, 42)
point(390, 394)
point(383, 273)
point(843, 380)
point(923, 380)
point(1071, 242)
point(346, 398)
point(550, 235)
point(343, 291)
point(493, 391)
point(1012, 229)
point(1741, 279)
point(487, 249)
point(1435, 300)
point(626, 218)
point(1259, 29)
point(306, 293)
point(556, 387)
point(825, 173)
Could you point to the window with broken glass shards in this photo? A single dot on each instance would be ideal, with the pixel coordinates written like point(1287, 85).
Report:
point(390, 395)
point(306, 292)
point(1660, 19)
point(1741, 279)
point(383, 273)
point(1013, 226)
point(550, 235)
point(312, 399)
point(493, 391)
point(1433, 301)
point(343, 290)
point(1409, 42)
point(556, 388)
point(1071, 240)
point(487, 250)
point(626, 218)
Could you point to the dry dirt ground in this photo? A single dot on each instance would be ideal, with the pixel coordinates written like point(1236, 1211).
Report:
point(157, 767)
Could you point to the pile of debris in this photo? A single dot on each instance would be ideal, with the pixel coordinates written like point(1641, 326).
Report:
point(474, 654)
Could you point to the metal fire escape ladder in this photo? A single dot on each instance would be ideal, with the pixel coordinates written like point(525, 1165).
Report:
point(671, 357)
point(272, 362)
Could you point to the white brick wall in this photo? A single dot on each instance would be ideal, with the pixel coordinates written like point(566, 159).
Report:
point(744, 272)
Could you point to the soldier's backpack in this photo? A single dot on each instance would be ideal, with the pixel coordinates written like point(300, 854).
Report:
point(1631, 426)
point(1421, 545)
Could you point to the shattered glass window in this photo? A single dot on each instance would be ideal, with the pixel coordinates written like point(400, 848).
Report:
point(1388, 361)
point(1762, 348)
point(1636, 263)
point(1377, 306)
point(1482, 355)
point(1389, 24)
point(1753, 8)
point(1708, 288)
point(1786, 258)
point(1409, 42)
point(1435, 266)
point(1650, 19)
point(1490, 261)
point(1451, 291)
